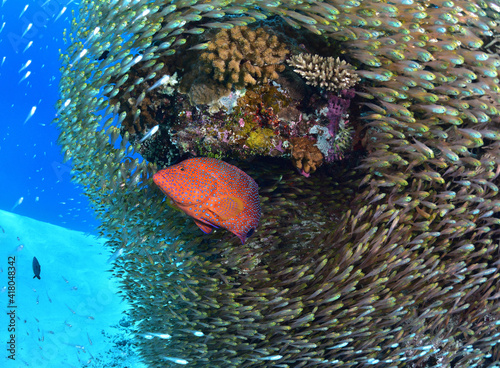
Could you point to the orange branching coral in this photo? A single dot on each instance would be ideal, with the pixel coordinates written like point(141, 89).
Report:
point(305, 155)
point(241, 56)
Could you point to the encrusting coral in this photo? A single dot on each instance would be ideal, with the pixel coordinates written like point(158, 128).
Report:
point(386, 260)
point(329, 73)
point(241, 56)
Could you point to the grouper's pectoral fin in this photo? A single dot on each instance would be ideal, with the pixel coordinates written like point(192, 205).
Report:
point(228, 207)
point(207, 229)
point(172, 204)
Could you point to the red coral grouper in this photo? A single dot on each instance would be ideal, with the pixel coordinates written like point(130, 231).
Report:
point(214, 193)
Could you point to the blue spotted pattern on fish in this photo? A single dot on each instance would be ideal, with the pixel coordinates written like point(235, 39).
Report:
point(213, 192)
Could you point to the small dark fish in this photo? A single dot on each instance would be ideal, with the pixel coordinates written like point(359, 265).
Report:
point(104, 55)
point(36, 268)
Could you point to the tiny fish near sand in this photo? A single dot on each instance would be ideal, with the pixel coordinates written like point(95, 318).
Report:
point(36, 268)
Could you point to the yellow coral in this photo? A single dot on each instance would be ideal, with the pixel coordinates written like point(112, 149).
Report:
point(241, 56)
point(260, 140)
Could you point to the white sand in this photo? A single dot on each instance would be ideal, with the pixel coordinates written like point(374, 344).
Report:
point(69, 318)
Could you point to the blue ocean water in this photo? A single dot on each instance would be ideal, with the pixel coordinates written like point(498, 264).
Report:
point(32, 167)
point(60, 320)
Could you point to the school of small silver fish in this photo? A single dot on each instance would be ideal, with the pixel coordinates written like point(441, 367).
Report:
point(406, 275)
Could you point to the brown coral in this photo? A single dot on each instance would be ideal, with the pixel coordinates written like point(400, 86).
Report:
point(241, 56)
point(330, 73)
point(305, 155)
point(205, 92)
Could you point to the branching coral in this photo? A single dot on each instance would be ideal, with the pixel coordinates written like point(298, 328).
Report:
point(329, 73)
point(241, 56)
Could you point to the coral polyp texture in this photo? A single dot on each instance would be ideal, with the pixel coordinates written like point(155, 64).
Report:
point(385, 253)
point(241, 56)
point(329, 73)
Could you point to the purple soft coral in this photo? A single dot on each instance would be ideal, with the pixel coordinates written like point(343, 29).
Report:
point(337, 106)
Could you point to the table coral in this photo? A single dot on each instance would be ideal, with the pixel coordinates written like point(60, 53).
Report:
point(241, 56)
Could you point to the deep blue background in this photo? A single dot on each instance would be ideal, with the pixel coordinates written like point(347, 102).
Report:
point(31, 163)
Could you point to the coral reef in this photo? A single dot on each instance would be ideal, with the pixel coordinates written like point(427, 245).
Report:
point(329, 73)
point(205, 92)
point(144, 106)
point(203, 117)
point(385, 260)
point(241, 56)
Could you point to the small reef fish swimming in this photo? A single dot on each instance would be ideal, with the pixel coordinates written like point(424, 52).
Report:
point(18, 202)
point(150, 133)
point(214, 193)
point(36, 268)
